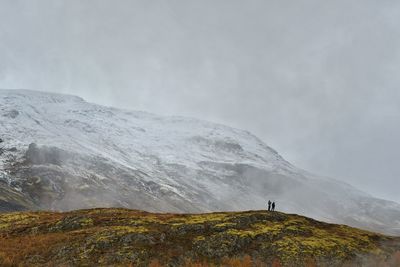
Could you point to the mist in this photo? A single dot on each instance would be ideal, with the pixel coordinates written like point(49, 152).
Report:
point(315, 80)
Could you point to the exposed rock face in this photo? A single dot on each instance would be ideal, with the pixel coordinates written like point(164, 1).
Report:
point(12, 113)
point(12, 200)
point(44, 155)
point(59, 152)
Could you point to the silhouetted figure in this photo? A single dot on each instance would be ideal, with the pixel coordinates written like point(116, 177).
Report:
point(269, 205)
point(273, 206)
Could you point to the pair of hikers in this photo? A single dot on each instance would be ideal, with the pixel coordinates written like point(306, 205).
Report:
point(271, 206)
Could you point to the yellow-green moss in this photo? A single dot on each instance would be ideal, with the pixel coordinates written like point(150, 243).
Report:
point(225, 224)
point(120, 237)
point(199, 238)
point(198, 218)
point(16, 218)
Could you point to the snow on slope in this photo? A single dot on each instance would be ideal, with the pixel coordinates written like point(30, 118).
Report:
point(64, 153)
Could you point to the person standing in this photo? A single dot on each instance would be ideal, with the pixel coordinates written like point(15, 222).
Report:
point(273, 206)
point(269, 205)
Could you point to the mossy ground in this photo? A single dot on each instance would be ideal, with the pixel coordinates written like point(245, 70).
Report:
point(136, 238)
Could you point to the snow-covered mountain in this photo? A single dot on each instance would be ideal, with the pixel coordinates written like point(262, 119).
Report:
point(59, 152)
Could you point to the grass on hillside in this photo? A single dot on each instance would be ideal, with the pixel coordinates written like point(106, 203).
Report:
point(136, 238)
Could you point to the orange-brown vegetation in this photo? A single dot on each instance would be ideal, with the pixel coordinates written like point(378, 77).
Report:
point(108, 237)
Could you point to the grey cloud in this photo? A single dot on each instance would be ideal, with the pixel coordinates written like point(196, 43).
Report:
point(317, 80)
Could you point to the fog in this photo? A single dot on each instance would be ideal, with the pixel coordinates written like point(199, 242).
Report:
point(316, 80)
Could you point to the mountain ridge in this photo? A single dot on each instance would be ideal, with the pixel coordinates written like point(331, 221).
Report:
point(62, 153)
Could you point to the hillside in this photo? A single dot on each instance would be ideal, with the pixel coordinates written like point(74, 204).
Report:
point(59, 152)
point(137, 238)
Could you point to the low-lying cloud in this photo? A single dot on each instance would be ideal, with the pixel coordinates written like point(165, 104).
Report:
point(316, 80)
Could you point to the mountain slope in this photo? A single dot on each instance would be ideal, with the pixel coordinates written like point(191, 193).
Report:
point(62, 153)
point(122, 237)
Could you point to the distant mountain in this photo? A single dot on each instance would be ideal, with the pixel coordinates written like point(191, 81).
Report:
point(59, 152)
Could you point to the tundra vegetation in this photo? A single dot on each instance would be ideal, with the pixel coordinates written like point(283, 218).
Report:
point(122, 237)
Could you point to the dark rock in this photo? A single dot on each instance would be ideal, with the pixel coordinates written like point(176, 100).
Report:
point(6, 206)
point(43, 155)
point(12, 114)
point(70, 223)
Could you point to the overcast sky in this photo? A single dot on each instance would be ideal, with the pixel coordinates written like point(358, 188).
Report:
point(317, 80)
